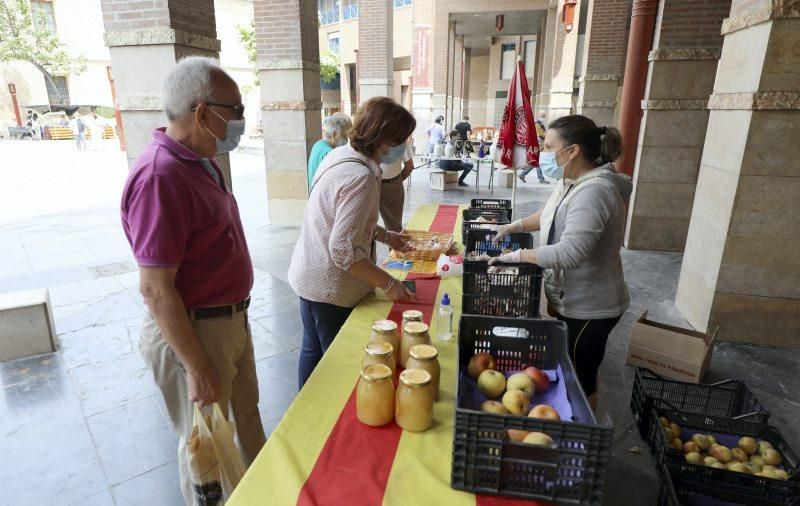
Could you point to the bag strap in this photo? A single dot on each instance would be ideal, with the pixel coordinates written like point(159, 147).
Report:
point(329, 167)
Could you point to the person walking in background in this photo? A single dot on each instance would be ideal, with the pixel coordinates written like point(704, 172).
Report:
point(457, 165)
point(97, 126)
point(581, 227)
point(333, 265)
point(435, 133)
point(78, 129)
point(540, 133)
point(334, 131)
point(464, 129)
point(195, 271)
point(393, 192)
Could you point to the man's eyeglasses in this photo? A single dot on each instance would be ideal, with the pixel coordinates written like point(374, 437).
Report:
point(238, 109)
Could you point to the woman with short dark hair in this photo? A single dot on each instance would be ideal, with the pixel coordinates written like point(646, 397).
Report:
point(333, 264)
point(581, 229)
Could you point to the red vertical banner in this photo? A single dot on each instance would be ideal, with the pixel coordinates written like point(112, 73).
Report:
point(420, 64)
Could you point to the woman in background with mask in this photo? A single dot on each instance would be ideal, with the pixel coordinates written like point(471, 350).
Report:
point(333, 263)
point(581, 229)
point(334, 130)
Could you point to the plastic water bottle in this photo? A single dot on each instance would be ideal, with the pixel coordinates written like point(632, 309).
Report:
point(444, 323)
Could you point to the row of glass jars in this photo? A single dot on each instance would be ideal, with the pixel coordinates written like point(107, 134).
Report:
point(412, 404)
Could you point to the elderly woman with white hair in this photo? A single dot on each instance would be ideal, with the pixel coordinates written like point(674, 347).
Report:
point(195, 272)
point(334, 129)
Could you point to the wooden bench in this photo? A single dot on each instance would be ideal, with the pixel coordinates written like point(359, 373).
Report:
point(64, 133)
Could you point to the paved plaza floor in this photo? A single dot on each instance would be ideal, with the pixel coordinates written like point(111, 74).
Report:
point(85, 425)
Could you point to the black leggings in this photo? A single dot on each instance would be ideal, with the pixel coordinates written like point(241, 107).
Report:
point(587, 347)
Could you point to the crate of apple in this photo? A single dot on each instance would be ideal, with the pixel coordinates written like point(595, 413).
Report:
point(748, 468)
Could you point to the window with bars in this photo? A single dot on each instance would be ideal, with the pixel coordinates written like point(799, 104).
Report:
point(334, 43)
point(350, 9)
point(328, 11)
point(43, 16)
point(401, 3)
point(57, 90)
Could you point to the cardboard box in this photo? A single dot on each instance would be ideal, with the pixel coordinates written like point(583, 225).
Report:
point(672, 352)
point(444, 180)
point(504, 178)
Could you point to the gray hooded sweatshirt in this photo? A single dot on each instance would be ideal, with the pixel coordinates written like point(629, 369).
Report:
point(583, 276)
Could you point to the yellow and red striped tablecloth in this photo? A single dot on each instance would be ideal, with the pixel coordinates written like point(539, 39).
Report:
point(321, 454)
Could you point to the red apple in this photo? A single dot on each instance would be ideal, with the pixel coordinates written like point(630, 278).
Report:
point(479, 363)
point(539, 378)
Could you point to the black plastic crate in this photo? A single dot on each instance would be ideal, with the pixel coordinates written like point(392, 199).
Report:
point(730, 486)
point(667, 491)
point(499, 204)
point(480, 241)
point(485, 461)
point(726, 405)
point(497, 216)
point(493, 294)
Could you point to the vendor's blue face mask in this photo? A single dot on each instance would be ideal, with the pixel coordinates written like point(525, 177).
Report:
point(394, 154)
point(549, 164)
point(232, 135)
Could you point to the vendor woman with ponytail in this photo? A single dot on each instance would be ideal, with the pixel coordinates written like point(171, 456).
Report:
point(581, 229)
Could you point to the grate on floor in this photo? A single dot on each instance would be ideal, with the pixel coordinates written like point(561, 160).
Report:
point(103, 271)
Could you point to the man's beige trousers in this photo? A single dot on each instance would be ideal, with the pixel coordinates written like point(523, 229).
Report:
point(229, 346)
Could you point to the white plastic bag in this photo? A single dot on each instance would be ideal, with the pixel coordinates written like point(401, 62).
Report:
point(215, 464)
point(231, 465)
point(452, 265)
point(202, 460)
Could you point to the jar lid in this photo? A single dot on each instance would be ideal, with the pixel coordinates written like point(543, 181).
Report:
point(416, 327)
point(378, 348)
point(412, 313)
point(384, 326)
point(376, 372)
point(423, 352)
point(415, 377)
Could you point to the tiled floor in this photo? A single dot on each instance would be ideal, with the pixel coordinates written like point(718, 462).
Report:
point(86, 426)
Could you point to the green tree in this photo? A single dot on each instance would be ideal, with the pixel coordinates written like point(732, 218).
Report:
point(23, 40)
point(328, 66)
point(328, 62)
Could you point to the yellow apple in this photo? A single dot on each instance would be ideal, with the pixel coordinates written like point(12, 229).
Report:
point(544, 411)
point(516, 402)
point(521, 381)
point(491, 383)
point(538, 439)
point(771, 457)
point(494, 407)
point(749, 445)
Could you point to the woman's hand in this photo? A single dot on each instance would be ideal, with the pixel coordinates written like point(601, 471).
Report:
point(515, 257)
point(398, 291)
point(504, 230)
point(399, 241)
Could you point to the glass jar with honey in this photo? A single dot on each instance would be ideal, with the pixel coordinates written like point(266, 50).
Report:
point(375, 396)
point(414, 400)
point(426, 357)
point(414, 333)
point(379, 352)
point(386, 331)
point(411, 315)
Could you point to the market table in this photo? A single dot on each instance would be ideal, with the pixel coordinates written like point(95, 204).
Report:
point(321, 454)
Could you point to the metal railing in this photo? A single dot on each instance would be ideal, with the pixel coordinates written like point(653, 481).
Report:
point(329, 17)
point(350, 11)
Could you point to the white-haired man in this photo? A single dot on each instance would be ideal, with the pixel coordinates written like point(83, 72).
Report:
point(195, 270)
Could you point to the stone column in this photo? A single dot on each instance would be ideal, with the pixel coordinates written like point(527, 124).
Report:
point(548, 42)
point(421, 62)
point(741, 270)
point(604, 50)
point(673, 128)
point(565, 47)
point(375, 49)
point(465, 88)
point(458, 64)
point(287, 41)
point(449, 93)
point(145, 42)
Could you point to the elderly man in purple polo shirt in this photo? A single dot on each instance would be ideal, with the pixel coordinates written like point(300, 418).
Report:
point(195, 271)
